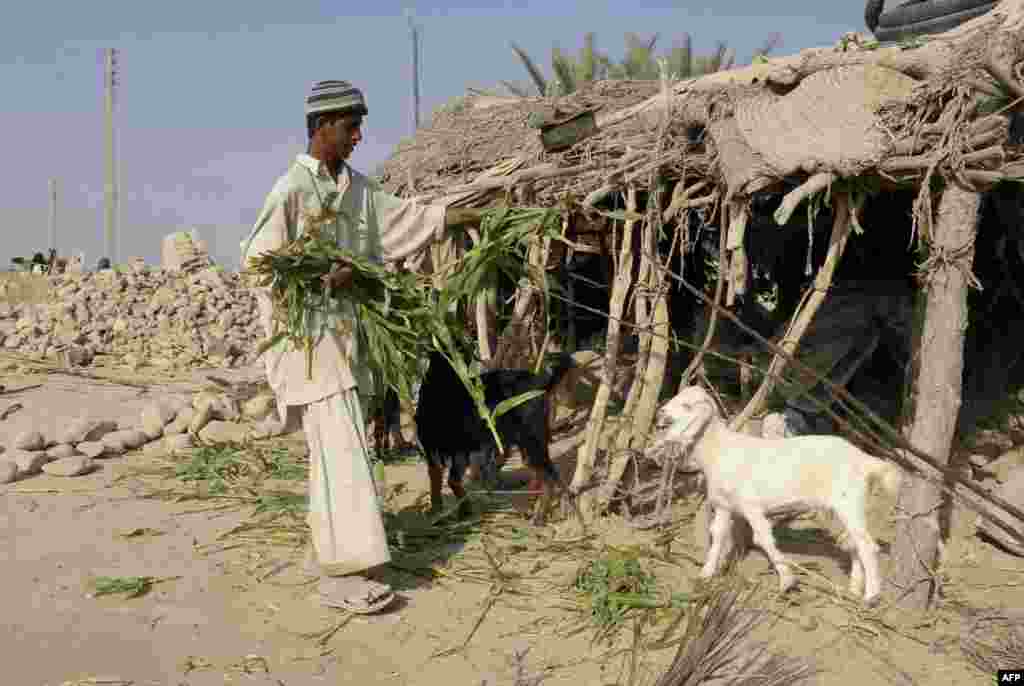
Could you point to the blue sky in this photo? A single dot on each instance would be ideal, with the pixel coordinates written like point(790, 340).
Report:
point(210, 106)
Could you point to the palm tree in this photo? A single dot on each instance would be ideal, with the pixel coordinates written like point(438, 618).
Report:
point(640, 62)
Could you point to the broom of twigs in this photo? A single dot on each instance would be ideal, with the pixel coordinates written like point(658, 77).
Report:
point(994, 649)
point(716, 645)
point(397, 318)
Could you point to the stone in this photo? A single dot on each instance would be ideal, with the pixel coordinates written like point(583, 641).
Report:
point(178, 426)
point(176, 403)
point(91, 448)
point(203, 415)
point(8, 471)
point(137, 265)
point(178, 443)
point(29, 440)
point(153, 430)
point(224, 432)
point(76, 465)
point(192, 315)
point(220, 405)
point(29, 462)
point(85, 429)
point(155, 417)
point(79, 355)
point(60, 450)
point(269, 427)
point(203, 399)
point(133, 438)
point(259, 406)
point(157, 448)
point(227, 409)
point(112, 444)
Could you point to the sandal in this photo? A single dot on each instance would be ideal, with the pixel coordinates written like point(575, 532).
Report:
point(355, 594)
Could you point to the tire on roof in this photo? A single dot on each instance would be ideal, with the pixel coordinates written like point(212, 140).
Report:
point(921, 17)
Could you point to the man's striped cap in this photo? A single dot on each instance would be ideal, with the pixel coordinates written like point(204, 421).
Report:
point(334, 96)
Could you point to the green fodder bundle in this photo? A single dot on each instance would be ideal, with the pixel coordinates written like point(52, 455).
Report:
point(397, 317)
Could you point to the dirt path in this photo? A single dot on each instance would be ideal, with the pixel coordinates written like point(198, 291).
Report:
point(229, 612)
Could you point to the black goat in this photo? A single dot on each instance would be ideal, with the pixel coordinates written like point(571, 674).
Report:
point(449, 428)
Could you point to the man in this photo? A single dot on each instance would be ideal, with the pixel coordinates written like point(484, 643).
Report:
point(855, 318)
point(38, 263)
point(348, 535)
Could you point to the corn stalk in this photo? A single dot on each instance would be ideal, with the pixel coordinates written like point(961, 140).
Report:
point(397, 318)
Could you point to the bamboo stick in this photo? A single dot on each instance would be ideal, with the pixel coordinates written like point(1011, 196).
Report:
point(588, 454)
point(650, 369)
point(486, 318)
point(740, 215)
point(818, 182)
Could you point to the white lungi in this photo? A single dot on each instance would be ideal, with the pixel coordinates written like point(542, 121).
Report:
point(344, 511)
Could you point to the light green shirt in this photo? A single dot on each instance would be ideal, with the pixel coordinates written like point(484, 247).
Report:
point(370, 222)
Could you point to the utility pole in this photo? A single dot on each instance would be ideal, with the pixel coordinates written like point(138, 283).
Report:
point(53, 214)
point(415, 72)
point(110, 195)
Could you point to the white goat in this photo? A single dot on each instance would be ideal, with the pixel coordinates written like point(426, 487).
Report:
point(755, 477)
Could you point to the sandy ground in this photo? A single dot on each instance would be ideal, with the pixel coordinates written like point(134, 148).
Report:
point(242, 615)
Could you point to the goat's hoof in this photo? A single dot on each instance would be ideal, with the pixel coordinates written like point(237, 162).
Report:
point(872, 601)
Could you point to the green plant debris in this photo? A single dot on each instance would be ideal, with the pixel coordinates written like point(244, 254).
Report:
point(281, 503)
point(139, 533)
point(215, 465)
point(129, 586)
point(615, 584)
point(278, 463)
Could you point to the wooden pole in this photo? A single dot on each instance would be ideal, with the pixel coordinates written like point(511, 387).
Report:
point(587, 462)
point(53, 214)
point(110, 187)
point(415, 73)
point(933, 393)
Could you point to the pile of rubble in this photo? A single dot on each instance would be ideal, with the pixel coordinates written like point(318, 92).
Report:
point(171, 318)
point(165, 426)
point(184, 251)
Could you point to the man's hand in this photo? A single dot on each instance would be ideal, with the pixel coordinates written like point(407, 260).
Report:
point(340, 276)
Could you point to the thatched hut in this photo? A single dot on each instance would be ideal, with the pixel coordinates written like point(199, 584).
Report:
point(846, 128)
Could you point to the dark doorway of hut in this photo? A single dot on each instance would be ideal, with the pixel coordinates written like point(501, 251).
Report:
point(869, 310)
point(879, 266)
